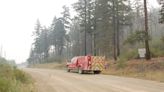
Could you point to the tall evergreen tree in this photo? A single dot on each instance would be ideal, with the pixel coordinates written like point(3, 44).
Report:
point(59, 35)
point(161, 20)
point(74, 35)
point(44, 42)
point(85, 10)
point(66, 18)
point(36, 35)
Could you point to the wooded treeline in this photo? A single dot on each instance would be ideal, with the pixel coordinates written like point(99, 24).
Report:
point(108, 28)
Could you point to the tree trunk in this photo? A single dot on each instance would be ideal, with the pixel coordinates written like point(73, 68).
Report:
point(85, 34)
point(118, 30)
point(148, 57)
point(114, 32)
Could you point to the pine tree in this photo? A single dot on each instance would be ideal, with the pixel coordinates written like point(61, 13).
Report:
point(161, 20)
point(37, 48)
point(59, 35)
point(44, 42)
point(66, 18)
point(85, 10)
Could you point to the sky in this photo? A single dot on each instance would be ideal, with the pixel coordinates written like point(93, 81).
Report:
point(17, 21)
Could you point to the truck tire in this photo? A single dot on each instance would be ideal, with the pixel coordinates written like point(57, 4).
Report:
point(80, 71)
point(96, 72)
point(68, 70)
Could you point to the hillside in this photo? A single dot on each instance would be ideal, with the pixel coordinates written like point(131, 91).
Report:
point(151, 70)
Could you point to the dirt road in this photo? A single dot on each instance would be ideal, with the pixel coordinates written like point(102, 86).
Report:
point(61, 81)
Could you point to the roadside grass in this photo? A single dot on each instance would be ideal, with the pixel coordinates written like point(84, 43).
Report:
point(13, 79)
point(50, 66)
point(26, 83)
point(149, 75)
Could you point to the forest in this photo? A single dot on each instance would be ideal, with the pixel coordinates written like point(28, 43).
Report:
point(111, 28)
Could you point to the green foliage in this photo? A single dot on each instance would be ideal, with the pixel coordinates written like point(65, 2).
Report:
point(162, 39)
point(136, 37)
point(156, 52)
point(130, 54)
point(126, 56)
point(11, 79)
point(57, 59)
point(54, 36)
point(5, 85)
point(121, 64)
point(21, 76)
point(66, 18)
point(161, 20)
point(157, 48)
point(5, 69)
point(93, 16)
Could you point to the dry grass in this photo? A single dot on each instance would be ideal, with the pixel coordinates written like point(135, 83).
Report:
point(150, 75)
point(150, 70)
point(50, 66)
point(28, 86)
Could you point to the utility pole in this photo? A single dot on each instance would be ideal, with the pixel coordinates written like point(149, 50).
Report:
point(148, 57)
point(85, 32)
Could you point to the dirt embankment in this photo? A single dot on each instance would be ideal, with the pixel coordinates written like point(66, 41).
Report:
point(151, 70)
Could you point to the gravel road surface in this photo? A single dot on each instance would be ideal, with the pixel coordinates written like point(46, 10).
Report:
point(61, 81)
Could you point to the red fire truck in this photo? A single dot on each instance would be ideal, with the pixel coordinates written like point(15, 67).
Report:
point(84, 64)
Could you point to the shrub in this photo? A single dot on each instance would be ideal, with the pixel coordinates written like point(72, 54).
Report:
point(12, 79)
point(157, 48)
point(6, 71)
point(156, 52)
point(136, 37)
point(20, 76)
point(162, 39)
point(4, 85)
point(57, 59)
point(131, 54)
point(121, 64)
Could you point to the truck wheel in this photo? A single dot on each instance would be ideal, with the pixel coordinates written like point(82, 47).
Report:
point(97, 72)
point(68, 70)
point(80, 71)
